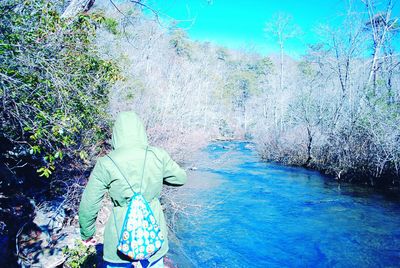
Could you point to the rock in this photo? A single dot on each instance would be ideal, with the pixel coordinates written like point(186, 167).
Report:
point(30, 243)
point(16, 211)
point(41, 242)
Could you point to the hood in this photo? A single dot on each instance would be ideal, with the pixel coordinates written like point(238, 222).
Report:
point(128, 130)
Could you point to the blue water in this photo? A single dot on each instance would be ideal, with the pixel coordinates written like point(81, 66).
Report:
point(268, 215)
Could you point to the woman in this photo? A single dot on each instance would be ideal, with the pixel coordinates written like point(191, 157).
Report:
point(129, 142)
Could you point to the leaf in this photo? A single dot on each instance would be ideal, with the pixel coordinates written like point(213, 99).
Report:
point(35, 149)
point(44, 172)
point(83, 155)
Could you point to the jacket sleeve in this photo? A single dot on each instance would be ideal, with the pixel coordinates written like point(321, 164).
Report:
point(91, 201)
point(173, 174)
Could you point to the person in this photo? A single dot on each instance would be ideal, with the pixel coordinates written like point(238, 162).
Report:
point(129, 142)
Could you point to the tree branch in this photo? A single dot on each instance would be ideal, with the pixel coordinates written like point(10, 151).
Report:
point(77, 6)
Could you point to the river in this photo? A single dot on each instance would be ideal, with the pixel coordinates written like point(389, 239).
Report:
point(256, 214)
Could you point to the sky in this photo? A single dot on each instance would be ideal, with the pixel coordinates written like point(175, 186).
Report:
point(241, 24)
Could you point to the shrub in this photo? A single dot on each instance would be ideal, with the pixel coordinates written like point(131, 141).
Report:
point(80, 256)
point(53, 85)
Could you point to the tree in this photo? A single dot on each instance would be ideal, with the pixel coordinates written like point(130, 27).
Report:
point(381, 25)
point(77, 6)
point(52, 110)
point(282, 29)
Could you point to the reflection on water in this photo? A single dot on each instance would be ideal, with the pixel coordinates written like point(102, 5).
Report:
point(267, 215)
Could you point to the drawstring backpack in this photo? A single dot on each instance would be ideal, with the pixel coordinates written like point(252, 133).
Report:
point(140, 235)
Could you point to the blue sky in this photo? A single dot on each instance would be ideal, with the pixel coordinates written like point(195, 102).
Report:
point(240, 24)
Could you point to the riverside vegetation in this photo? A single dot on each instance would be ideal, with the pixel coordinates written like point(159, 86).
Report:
point(336, 109)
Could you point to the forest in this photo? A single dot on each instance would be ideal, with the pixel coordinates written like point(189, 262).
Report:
point(65, 74)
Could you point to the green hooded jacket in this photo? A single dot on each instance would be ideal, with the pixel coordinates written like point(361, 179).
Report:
point(129, 141)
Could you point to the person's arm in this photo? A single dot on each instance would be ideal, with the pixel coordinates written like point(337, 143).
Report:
point(91, 201)
point(174, 175)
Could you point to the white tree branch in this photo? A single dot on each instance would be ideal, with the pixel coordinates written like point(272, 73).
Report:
point(77, 6)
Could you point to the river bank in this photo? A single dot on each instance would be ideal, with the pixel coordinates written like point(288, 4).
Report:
point(388, 185)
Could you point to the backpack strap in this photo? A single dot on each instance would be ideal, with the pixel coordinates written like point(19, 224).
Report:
point(141, 182)
point(144, 164)
point(130, 186)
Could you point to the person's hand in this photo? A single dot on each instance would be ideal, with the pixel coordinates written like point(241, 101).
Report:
point(89, 242)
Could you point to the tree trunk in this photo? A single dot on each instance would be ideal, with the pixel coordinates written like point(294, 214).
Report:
point(309, 146)
point(281, 69)
point(77, 6)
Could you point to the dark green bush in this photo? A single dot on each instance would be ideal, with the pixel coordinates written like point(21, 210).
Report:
point(80, 256)
point(53, 85)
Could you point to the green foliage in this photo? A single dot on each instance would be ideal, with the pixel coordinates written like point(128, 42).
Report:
point(306, 69)
point(180, 43)
point(240, 86)
point(261, 67)
point(54, 86)
point(111, 25)
point(80, 256)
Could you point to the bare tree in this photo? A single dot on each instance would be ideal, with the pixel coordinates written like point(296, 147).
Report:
point(282, 29)
point(381, 25)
